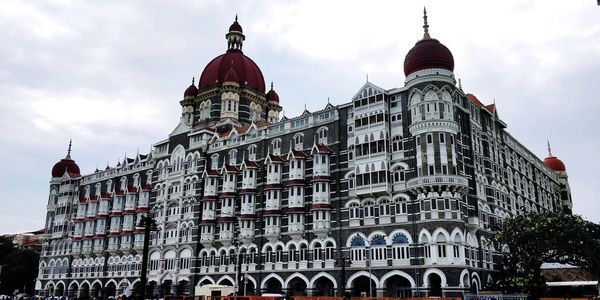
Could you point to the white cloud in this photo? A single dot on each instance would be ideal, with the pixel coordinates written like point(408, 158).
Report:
point(110, 74)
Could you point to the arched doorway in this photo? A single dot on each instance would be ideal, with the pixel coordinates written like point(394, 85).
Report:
point(397, 286)
point(183, 287)
point(166, 288)
point(324, 287)
point(84, 291)
point(110, 290)
point(226, 281)
point(73, 288)
point(137, 290)
point(435, 285)
point(474, 287)
point(50, 289)
point(59, 290)
point(152, 290)
point(360, 287)
point(96, 290)
point(296, 287)
point(248, 288)
point(273, 286)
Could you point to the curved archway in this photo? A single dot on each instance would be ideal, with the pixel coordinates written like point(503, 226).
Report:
point(273, 283)
point(96, 289)
point(59, 290)
point(73, 288)
point(323, 284)
point(84, 290)
point(397, 284)
point(111, 289)
point(360, 285)
point(296, 285)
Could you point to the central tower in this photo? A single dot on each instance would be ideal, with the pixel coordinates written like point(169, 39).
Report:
point(231, 91)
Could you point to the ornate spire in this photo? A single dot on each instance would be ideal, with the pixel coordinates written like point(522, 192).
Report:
point(235, 17)
point(426, 35)
point(271, 85)
point(549, 149)
point(193, 80)
point(69, 150)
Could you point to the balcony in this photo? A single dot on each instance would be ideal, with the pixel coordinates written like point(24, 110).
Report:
point(272, 232)
point(247, 209)
point(437, 180)
point(208, 214)
point(378, 188)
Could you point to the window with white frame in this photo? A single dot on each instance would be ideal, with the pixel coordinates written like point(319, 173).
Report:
point(298, 141)
point(233, 157)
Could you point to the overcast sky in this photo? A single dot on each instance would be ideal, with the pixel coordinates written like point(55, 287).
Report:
point(110, 74)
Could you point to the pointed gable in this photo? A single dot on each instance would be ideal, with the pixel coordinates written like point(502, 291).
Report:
point(368, 89)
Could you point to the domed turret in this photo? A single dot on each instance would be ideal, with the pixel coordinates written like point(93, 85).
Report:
point(66, 165)
point(236, 27)
point(191, 91)
point(553, 162)
point(246, 70)
point(428, 53)
point(272, 95)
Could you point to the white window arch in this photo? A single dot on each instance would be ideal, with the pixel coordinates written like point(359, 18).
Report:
point(322, 135)
point(232, 157)
point(298, 141)
point(276, 146)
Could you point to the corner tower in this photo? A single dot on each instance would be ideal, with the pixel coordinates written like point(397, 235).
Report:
point(430, 83)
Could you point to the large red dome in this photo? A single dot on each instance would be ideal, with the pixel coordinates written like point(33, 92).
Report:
point(428, 53)
point(555, 164)
point(66, 165)
point(245, 68)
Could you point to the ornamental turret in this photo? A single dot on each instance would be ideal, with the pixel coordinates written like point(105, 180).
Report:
point(558, 167)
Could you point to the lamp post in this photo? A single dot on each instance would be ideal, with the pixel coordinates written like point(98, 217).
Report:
point(149, 225)
point(368, 247)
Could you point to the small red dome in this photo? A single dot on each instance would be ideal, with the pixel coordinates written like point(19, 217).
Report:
point(555, 164)
point(428, 53)
point(68, 165)
point(191, 91)
point(272, 95)
point(245, 68)
point(235, 26)
point(231, 76)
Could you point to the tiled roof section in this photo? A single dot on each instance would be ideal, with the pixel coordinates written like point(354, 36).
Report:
point(298, 154)
point(146, 187)
point(276, 158)
point(231, 169)
point(491, 107)
point(211, 172)
point(323, 149)
point(250, 164)
point(474, 99)
point(132, 189)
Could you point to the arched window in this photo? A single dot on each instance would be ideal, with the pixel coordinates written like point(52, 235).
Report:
point(369, 209)
point(214, 161)
point(354, 210)
point(399, 174)
point(252, 152)
point(298, 141)
point(233, 157)
point(276, 146)
point(322, 135)
point(400, 248)
point(397, 143)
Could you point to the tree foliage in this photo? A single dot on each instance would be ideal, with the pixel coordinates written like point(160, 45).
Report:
point(545, 237)
point(20, 268)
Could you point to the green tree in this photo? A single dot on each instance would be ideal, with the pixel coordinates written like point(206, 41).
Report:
point(20, 268)
point(545, 237)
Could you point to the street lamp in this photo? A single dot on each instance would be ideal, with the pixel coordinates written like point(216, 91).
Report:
point(368, 247)
point(148, 224)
